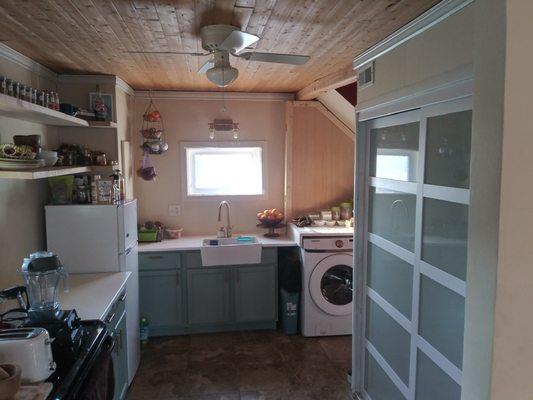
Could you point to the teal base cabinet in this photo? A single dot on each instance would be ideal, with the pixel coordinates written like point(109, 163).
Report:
point(115, 321)
point(208, 296)
point(160, 300)
point(256, 293)
point(120, 360)
point(180, 296)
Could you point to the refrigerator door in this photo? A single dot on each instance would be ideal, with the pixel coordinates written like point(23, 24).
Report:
point(129, 262)
point(127, 225)
point(85, 237)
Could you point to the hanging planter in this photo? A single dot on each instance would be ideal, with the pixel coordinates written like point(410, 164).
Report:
point(152, 131)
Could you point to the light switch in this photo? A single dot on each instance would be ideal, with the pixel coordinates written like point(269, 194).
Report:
point(174, 210)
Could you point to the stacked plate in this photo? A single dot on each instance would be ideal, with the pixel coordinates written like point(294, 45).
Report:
point(15, 163)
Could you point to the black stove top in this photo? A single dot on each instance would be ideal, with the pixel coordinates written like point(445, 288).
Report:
point(71, 372)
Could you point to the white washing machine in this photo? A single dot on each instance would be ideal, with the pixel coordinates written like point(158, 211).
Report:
point(327, 284)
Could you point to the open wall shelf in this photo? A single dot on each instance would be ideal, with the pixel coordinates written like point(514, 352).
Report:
point(23, 110)
point(48, 172)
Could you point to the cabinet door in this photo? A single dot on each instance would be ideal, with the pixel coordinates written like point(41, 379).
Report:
point(120, 359)
point(255, 293)
point(160, 298)
point(208, 294)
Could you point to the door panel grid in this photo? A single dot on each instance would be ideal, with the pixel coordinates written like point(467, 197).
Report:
point(448, 241)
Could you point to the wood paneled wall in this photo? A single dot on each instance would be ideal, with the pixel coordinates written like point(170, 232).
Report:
point(319, 158)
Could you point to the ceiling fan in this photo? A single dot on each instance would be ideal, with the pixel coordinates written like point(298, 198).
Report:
point(221, 41)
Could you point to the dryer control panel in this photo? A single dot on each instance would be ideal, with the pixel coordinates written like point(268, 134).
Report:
point(328, 243)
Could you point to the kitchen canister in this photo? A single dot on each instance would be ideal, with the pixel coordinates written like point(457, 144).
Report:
point(336, 213)
point(346, 211)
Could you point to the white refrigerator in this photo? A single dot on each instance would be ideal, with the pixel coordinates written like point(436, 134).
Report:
point(100, 238)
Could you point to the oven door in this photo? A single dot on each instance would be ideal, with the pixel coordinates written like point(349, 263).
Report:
point(97, 346)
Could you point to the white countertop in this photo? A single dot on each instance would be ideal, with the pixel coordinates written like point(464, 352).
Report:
point(195, 242)
point(298, 233)
point(92, 295)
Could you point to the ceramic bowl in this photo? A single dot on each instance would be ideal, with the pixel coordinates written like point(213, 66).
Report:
point(330, 223)
point(49, 157)
point(174, 233)
point(11, 384)
point(319, 222)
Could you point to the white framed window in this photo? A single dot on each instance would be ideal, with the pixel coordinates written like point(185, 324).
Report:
point(224, 168)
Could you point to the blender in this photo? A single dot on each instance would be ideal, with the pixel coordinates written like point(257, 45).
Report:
point(42, 273)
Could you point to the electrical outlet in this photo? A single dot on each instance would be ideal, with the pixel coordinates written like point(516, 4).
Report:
point(174, 210)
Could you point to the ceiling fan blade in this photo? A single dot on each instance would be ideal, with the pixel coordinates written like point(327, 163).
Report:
point(207, 65)
point(275, 58)
point(168, 52)
point(238, 41)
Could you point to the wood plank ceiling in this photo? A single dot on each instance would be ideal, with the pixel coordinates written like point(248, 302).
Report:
point(92, 36)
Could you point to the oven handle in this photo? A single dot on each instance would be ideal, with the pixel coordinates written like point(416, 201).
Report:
point(111, 342)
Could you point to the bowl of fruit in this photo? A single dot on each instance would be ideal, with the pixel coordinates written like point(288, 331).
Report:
point(271, 219)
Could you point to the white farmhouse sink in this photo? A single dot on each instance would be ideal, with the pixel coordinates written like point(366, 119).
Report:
point(230, 251)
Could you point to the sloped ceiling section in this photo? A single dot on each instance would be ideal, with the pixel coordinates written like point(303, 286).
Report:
point(340, 107)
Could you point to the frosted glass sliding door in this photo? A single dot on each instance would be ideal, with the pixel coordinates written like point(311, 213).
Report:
point(414, 240)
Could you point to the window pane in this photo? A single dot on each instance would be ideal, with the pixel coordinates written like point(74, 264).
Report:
point(392, 216)
point(441, 320)
point(444, 236)
point(391, 277)
point(448, 150)
point(394, 152)
point(389, 338)
point(429, 377)
point(377, 383)
point(214, 171)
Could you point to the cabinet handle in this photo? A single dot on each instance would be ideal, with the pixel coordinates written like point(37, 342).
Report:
point(119, 335)
point(226, 276)
point(123, 297)
point(155, 257)
point(110, 318)
point(177, 279)
point(237, 275)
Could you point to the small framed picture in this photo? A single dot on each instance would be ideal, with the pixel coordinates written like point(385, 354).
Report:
point(107, 98)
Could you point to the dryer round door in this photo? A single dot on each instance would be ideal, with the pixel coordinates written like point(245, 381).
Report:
point(331, 284)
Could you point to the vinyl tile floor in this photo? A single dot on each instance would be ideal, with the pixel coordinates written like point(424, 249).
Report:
point(258, 365)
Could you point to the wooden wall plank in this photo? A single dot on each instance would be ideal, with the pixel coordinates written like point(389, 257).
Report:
point(94, 36)
point(321, 161)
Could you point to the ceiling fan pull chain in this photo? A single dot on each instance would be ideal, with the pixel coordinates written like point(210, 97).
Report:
point(223, 109)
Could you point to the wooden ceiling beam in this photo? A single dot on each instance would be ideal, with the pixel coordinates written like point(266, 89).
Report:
point(337, 79)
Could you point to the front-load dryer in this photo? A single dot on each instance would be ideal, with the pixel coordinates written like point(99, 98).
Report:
point(327, 290)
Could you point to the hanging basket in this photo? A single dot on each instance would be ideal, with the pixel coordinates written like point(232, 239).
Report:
point(152, 131)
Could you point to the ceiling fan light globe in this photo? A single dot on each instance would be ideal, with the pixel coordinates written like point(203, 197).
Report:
point(222, 76)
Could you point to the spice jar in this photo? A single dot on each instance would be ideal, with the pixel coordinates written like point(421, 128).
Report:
point(3, 84)
point(40, 98)
point(335, 213)
point(22, 91)
point(27, 93)
point(346, 211)
point(9, 87)
point(16, 89)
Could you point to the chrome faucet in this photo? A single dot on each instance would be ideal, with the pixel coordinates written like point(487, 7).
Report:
point(224, 231)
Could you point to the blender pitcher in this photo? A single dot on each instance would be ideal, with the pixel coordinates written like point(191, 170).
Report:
point(42, 272)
